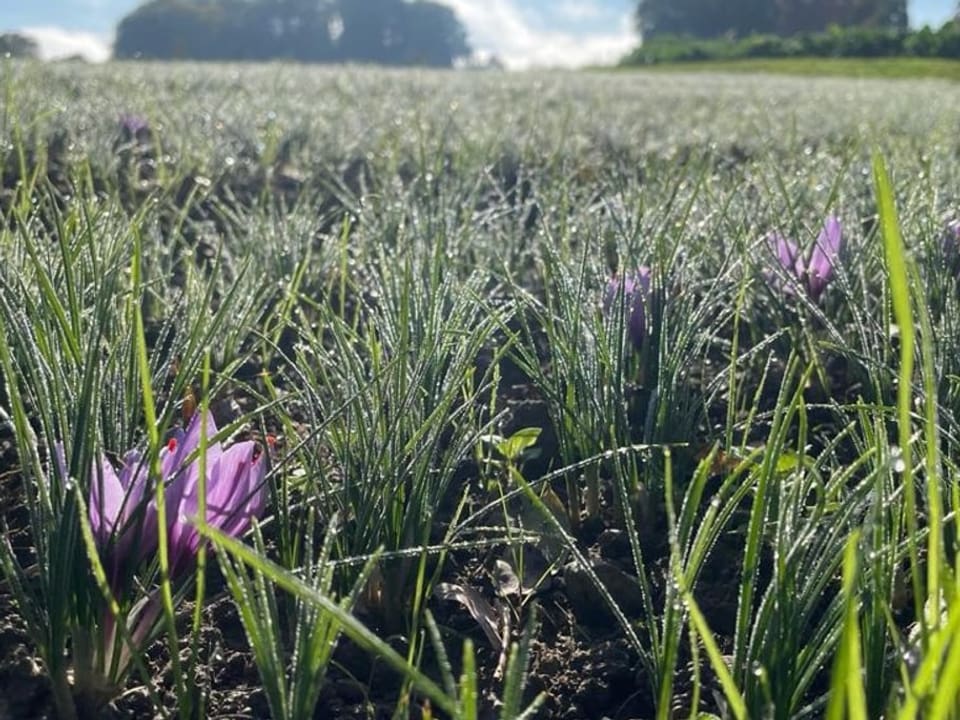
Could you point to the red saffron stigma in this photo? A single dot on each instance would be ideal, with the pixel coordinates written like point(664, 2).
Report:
point(171, 444)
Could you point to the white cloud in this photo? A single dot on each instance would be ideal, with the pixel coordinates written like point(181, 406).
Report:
point(579, 10)
point(497, 27)
point(57, 42)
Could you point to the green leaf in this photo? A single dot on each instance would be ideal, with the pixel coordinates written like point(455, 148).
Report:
point(847, 680)
point(897, 262)
point(737, 705)
point(512, 447)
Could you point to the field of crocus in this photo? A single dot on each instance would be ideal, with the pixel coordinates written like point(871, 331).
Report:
point(343, 393)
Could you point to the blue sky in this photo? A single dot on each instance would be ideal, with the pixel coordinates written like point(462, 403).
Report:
point(521, 32)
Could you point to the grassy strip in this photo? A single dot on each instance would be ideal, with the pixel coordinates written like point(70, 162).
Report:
point(892, 68)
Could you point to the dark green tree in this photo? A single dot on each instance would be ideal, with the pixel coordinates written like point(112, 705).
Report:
point(815, 15)
point(717, 18)
point(18, 46)
point(432, 35)
point(174, 29)
point(281, 29)
point(705, 18)
point(394, 32)
point(371, 30)
point(896, 14)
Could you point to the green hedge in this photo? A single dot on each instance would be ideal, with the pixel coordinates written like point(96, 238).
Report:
point(835, 42)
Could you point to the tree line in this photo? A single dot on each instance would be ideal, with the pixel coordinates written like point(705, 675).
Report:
point(388, 32)
point(740, 18)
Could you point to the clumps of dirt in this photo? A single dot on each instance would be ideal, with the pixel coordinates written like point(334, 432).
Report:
point(586, 679)
point(24, 687)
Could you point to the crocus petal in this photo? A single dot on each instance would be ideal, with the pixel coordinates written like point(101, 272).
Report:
point(60, 462)
point(788, 257)
point(253, 498)
point(820, 269)
point(636, 292)
point(236, 490)
point(143, 617)
point(181, 478)
point(182, 539)
point(643, 277)
point(190, 439)
point(171, 455)
point(131, 469)
point(258, 488)
point(185, 477)
point(133, 124)
point(787, 254)
point(951, 239)
point(180, 507)
point(228, 489)
point(214, 450)
point(637, 326)
point(136, 510)
point(144, 542)
point(106, 500)
point(179, 496)
point(141, 622)
point(611, 292)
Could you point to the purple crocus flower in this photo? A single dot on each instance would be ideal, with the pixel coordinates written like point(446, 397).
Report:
point(636, 294)
point(134, 127)
point(814, 274)
point(950, 249)
point(951, 239)
point(235, 492)
point(124, 521)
